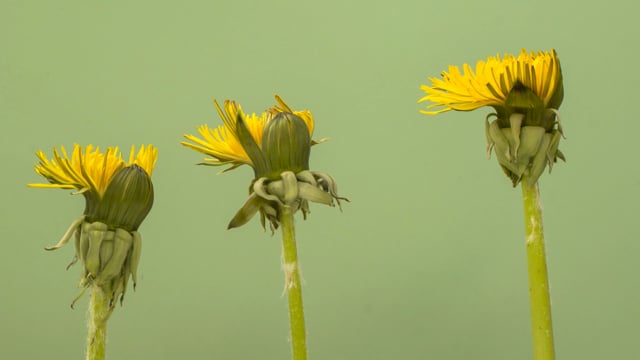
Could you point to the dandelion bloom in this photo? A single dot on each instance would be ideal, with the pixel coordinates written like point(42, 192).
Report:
point(276, 144)
point(493, 80)
point(118, 196)
point(223, 143)
point(525, 92)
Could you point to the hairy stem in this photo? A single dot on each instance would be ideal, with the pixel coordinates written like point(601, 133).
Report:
point(541, 327)
point(292, 285)
point(99, 312)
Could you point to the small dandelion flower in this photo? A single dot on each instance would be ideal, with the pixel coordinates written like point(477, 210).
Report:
point(525, 91)
point(118, 196)
point(276, 144)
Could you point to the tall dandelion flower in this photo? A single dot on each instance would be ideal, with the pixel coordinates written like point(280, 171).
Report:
point(525, 93)
point(118, 196)
point(277, 145)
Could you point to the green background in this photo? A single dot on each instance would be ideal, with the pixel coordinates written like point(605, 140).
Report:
point(426, 262)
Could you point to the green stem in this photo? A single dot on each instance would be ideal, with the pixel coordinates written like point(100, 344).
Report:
point(541, 328)
point(99, 311)
point(292, 285)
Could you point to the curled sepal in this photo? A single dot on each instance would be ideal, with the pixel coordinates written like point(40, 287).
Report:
point(327, 183)
point(261, 190)
point(136, 252)
point(85, 286)
point(246, 212)
point(67, 235)
point(284, 190)
point(269, 212)
point(307, 176)
point(293, 190)
point(487, 133)
point(76, 245)
point(314, 194)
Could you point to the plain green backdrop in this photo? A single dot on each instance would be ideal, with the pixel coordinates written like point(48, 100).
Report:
point(426, 262)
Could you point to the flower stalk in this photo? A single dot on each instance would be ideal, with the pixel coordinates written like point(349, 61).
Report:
point(525, 92)
point(292, 285)
point(99, 312)
point(277, 146)
point(118, 197)
point(541, 326)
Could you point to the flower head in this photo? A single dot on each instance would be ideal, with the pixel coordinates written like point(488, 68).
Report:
point(525, 91)
point(493, 80)
point(224, 143)
point(276, 144)
point(118, 195)
point(89, 170)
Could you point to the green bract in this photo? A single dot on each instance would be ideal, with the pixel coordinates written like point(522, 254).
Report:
point(286, 144)
point(127, 200)
point(525, 134)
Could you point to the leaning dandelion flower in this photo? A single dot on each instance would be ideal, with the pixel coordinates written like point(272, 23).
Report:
point(118, 196)
point(277, 145)
point(525, 92)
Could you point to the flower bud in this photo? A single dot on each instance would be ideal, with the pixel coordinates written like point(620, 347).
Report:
point(127, 199)
point(286, 144)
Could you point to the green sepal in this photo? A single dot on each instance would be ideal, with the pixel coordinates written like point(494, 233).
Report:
point(539, 160)
point(83, 245)
point(121, 246)
point(307, 176)
point(553, 153)
point(285, 189)
point(312, 193)
point(136, 252)
point(106, 248)
point(500, 143)
point(260, 163)
point(246, 212)
point(77, 223)
point(96, 232)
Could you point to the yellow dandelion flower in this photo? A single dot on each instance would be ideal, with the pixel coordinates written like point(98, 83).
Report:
point(118, 197)
point(89, 170)
point(525, 92)
point(492, 81)
point(277, 145)
point(223, 143)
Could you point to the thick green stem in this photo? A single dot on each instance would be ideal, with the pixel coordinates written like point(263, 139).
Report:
point(541, 328)
point(292, 285)
point(99, 311)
